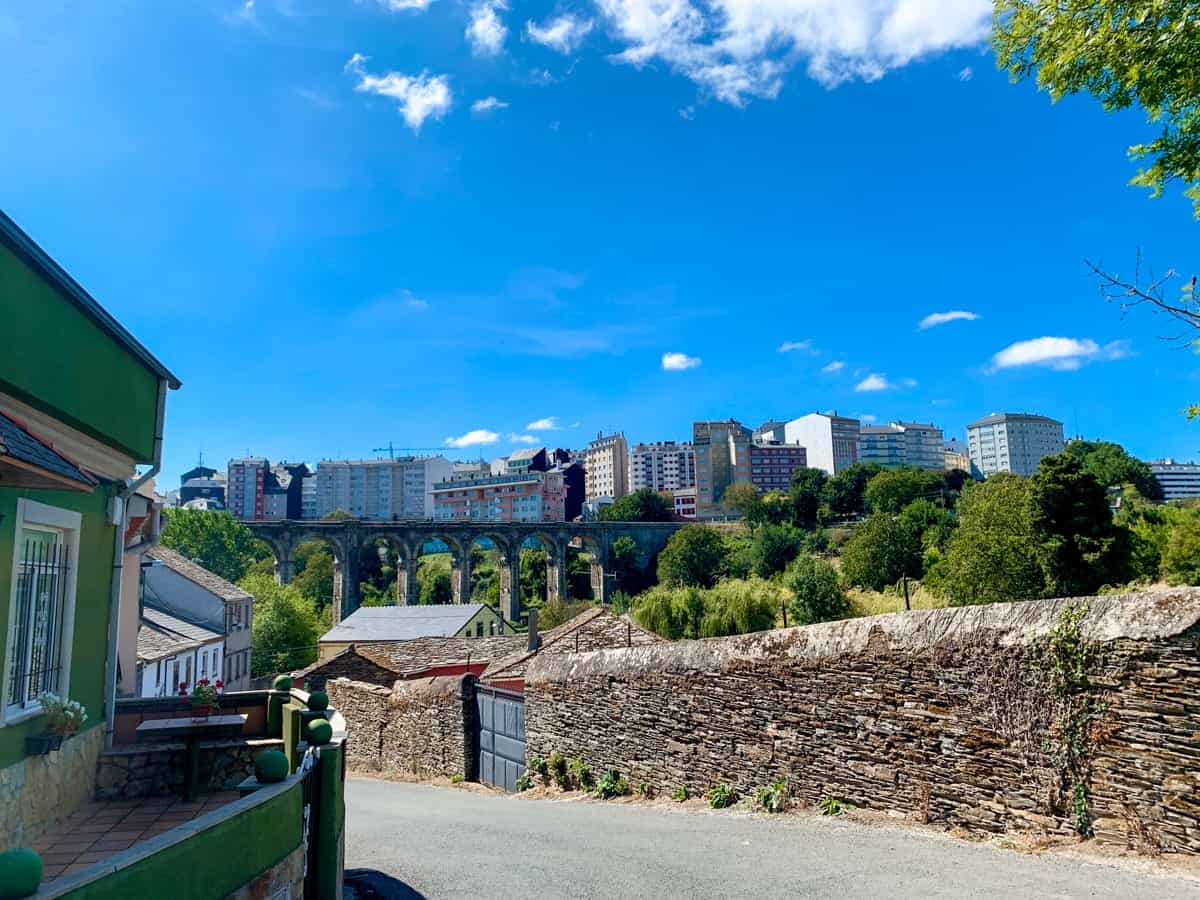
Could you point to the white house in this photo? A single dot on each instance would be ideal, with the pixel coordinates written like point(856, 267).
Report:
point(172, 651)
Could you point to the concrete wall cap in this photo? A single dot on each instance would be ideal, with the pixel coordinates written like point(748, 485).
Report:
point(1141, 616)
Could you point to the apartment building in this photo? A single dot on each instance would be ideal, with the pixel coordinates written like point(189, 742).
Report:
point(662, 466)
point(523, 497)
point(902, 444)
point(245, 482)
point(722, 451)
point(606, 467)
point(1013, 442)
point(400, 488)
point(1178, 480)
point(956, 455)
point(771, 465)
point(830, 440)
point(685, 503)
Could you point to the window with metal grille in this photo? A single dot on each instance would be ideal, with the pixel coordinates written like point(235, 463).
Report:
point(38, 611)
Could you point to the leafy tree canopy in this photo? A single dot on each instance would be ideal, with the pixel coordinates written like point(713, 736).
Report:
point(285, 626)
point(1113, 467)
point(643, 505)
point(807, 491)
point(1126, 54)
point(846, 490)
point(881, 551)
point(216, 540)
point(891, 490)
point(775, 546)
point(742, 499)
point(693, 557)
point(817, 595)
point(1181, 555)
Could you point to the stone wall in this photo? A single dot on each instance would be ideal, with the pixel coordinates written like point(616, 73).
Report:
point(416, 728)
point(38, 791)
point(156, 770)
point(947, 716)
point(350, 663)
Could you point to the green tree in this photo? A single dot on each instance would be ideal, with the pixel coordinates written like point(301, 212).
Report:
point(579, 575)
point(891, 490)
point(434, 586)
point(881, 551)
point(623, 556)
point(313, 576)
point(643, 505)
point(740, 607)
point(216, 540)
point(739, 556)
point(1079, 546)
point(657, 610)
point(992, 556)
point(285, 627)
point(556, 611)
point(807, 490)
point(1181, 555)
point(776, 508)
point(533, 576)
point(338, 515)
point(1113, 466)
point(1126, 54)
point(694, 557)
point(775, 546)
point(846, 490)
point(742, 499)
point(817, 595)
point(1149, 527)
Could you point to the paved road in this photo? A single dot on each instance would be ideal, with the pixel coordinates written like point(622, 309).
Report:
point(445, 843)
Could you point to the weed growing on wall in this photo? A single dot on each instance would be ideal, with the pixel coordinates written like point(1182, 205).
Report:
point(645, 790)
point(680, 795)
point(525, 782)
point(581, 776)
point(721, 796)
point(832, 806)
point(612, 784)
point(774, 797)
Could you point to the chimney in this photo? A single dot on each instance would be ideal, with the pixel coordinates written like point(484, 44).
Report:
point(534, 640)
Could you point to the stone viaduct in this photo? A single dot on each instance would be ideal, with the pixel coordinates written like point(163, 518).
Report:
point(347, 538)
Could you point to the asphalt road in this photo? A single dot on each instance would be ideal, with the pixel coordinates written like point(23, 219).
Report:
point(442, 843)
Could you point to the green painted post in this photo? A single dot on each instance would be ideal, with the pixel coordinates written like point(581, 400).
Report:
point(275, 701)
point(291, 735)
point(331, 824)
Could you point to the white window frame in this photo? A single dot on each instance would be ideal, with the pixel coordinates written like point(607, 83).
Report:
point(33, 513)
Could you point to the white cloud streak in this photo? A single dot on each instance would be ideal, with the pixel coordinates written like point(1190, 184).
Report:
point(965, 74)
point(486, 32)
point(737, 50)
point(563, 33)
point(1058, 353)
point(487, 105)
point(475, 438)
point(522, 438)
point(831, 367)
point(792, 346)
point(405, 5)
point(873, 382)
point(418, 97)
point(549, 423)
point(679, 362)
point(955, 315)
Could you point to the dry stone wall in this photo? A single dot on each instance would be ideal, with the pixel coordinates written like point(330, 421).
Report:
point(156, 770)
point(416, 728)
point(947, 716)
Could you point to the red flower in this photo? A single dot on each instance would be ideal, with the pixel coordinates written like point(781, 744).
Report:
point(203, 681)
point(220, 684)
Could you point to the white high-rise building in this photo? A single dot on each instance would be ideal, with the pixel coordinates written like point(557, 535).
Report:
point(606, 467)
point(902, 444)
point(1013, 442)
point(1178, 480)
point(381, 488)
point(662, 466)
point(831, 440)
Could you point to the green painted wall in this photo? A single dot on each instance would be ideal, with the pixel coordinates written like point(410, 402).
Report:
point(91, 605)
point(487, 616)
point(58, 359)
point(215, 862)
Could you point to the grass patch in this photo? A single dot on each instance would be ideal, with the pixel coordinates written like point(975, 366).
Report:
point(874, 603)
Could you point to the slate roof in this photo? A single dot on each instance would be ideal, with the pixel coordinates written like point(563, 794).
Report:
point(995, 418)
point(17, 442)
point(197, 574)
point(402, 623)
point(161, 634)
point(597, 627)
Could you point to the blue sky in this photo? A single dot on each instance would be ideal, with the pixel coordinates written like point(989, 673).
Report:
point(295, 206)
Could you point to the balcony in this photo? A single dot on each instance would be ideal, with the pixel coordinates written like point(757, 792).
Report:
point(141, 837)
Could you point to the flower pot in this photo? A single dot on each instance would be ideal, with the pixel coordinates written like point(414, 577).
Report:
point(41, 744)
point(200, 713)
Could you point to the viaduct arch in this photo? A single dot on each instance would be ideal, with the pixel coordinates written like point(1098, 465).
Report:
point(347, 538)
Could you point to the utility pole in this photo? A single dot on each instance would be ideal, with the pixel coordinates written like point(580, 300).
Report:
point(907, 605)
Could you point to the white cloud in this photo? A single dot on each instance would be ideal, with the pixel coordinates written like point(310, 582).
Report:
point(522, 438)
point(867, 417)
point(790, 346)
point(550, 423)
point(563, 33)
point(418, 97)
point(487, 105)
point(486, 32)
point(874, 382)
point(966, 73)
point(403, 5)
point(909, 382)
point(475, 438)
point(1058, 353)
point(741, 49)
point(243, 14)
point(679, 362)
point(955, 315)
point(688, 112)
point(836, 366)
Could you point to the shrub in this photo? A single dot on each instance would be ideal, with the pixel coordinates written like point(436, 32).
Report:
point(581, 775)
point(774, 547)
point(558, 770)
point(720, 796)
point(818, 596)
point(612, 784)
point(525, 782)
point(645, 790)
point(832, 806)
point(740, 607)
point(694, 556)
point(774, 797)
point(539, 766)
point(457, 778)
point(680, 795)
